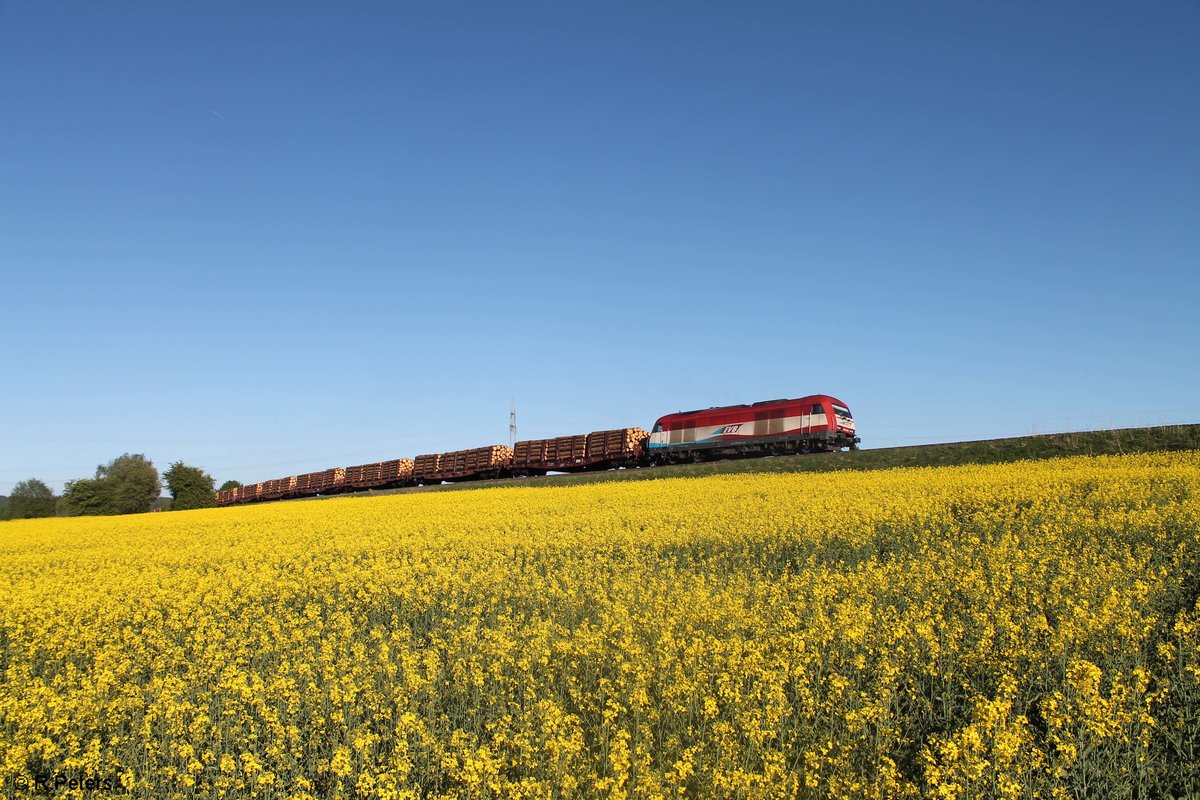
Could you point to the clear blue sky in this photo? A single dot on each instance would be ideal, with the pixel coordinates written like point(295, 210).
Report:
point(272, 238)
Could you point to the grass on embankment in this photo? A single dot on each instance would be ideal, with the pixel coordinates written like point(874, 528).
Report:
point(989, 451)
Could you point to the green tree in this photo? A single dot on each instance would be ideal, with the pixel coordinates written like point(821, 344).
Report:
point(125, 485)
point(227, 485)
point(87, 497)
point(190, 487)
point(133, 483)
point(30, 499)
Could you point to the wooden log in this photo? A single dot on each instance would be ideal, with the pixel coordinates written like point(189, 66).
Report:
point(427, 466)
point(530, 454)
point(621, 444)
point(399, 469)
point(475, 462)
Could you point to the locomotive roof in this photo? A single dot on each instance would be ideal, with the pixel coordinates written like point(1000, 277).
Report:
point(752, 405)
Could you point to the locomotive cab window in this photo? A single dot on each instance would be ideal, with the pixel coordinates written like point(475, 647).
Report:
point(657, 428)
point(844, 413)
point(818, 408)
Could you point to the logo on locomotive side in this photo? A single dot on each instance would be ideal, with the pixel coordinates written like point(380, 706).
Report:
point(731, 429)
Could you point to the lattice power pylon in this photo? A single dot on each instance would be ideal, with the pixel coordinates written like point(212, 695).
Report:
point(512, 423)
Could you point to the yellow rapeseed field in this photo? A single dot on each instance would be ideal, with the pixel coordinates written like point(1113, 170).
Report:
point(1025, 630)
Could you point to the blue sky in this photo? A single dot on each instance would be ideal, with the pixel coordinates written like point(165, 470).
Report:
point(274, 238)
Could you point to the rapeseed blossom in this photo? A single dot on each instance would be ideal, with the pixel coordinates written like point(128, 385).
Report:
point(1021, 630)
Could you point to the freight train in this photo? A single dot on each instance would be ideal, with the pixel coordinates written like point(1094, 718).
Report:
point(815, 424)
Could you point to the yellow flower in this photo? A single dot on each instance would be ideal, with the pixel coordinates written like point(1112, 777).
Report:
point(1004, 631)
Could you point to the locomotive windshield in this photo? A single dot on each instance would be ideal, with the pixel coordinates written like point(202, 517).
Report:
point(843, 413)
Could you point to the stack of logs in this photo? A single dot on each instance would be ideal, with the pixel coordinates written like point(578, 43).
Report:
point(318, 482)
point(567, 450)
point(304, 483)
point(620, 447)
point(477, 462)
point(381, 473)
point(528, 453)
point(245, 494)
point(427, 467)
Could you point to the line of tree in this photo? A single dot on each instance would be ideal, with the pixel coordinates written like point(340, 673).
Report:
point(129, 484)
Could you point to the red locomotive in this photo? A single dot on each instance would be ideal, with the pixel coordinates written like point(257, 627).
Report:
point(818, 423)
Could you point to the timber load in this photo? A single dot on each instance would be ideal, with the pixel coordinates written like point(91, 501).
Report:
point(529, 457)
point(616, 448)
point(560, 454)
point(329, 480)
point(397, 472)
point(426, 468)
point(478, 462)
point(249, 493)
point(623, 447)
point(568, 451)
